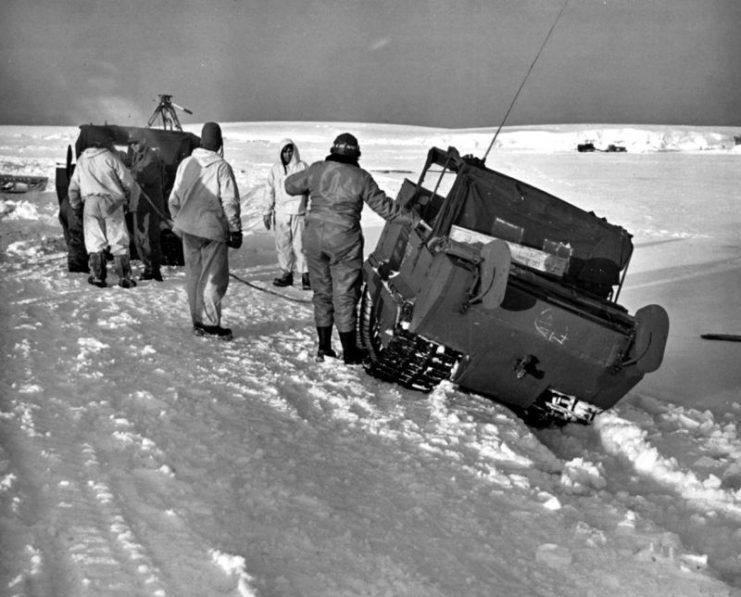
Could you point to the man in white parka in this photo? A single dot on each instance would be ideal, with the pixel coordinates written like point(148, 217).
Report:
point(285, 213)
point(102, 188)
point(205, 208)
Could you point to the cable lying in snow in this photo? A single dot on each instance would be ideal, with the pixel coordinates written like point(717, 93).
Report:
point(268, 291)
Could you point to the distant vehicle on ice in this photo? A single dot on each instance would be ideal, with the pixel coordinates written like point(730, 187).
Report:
point(15, 183)
point(589, 147)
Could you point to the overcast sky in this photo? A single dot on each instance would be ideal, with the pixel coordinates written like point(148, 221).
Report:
point(447, 63)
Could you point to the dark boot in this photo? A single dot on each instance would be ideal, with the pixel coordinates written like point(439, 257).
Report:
point(77, 266)
point(151, 274)
point(122, 263)
point(98, 270)
point(325, 343)
point(285, 280)
point(213, 330)
point(305, 284)
point(351, 353)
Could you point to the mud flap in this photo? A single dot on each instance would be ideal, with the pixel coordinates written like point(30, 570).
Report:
point(442, 297)
point(494, 268)
point(652, 329)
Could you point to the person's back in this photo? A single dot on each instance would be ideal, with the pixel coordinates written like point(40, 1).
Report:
point(99, 172)
point(204, 203)
point(204, 200)
point(333, 243)
point(103, 185)
point(339, 191)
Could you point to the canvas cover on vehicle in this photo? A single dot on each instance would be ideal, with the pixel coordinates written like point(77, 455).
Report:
point(497, 205)
point(171, 146)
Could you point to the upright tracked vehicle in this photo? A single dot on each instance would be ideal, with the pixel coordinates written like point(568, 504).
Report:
point(507, 291)
point(172, 146)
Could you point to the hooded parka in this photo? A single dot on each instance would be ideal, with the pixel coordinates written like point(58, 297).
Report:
point(105, 186)
point(204, 200)
point(278, 201)
point(286, 211)
point(204, 203)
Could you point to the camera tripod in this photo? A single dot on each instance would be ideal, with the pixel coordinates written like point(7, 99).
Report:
point(166, 111)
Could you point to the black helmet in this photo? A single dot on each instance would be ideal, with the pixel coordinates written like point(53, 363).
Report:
point(346, 144)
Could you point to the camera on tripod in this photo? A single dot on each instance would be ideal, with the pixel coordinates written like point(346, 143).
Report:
point(166, 111)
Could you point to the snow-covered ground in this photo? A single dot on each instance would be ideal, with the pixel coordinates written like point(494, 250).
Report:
point(137, 459)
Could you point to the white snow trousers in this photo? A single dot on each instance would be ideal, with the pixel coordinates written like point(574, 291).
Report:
point(289, 242)
point(207, 277)
point(104, 225)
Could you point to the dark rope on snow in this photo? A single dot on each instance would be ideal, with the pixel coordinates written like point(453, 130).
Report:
point(268, 291)
point(242, 280)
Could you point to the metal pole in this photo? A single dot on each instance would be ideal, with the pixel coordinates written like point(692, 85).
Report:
point(545, 41)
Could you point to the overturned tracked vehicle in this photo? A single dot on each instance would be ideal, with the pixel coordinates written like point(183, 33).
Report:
point(507, 291)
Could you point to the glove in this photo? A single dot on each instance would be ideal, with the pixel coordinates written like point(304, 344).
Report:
point(267, 219)
point(235, 240)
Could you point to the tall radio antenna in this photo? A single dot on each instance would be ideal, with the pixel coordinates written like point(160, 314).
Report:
point(545, 41)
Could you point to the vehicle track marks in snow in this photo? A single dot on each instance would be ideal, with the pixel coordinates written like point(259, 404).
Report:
point(84, 516)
